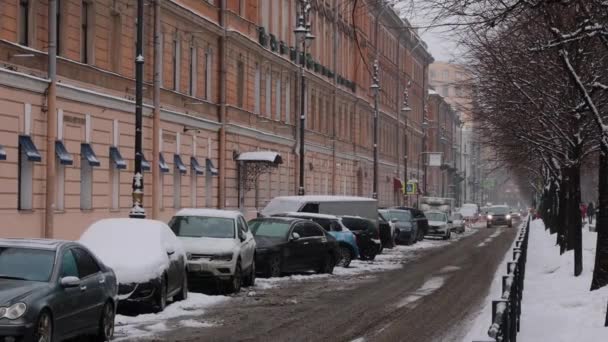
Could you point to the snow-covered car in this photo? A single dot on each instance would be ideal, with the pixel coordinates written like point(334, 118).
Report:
point(457, 223)
point(439, 224)
point(148, 259)
point(219, 246)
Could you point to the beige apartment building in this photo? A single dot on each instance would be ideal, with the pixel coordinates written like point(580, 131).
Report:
point(229, 85)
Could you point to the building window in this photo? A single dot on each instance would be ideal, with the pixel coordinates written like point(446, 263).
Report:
point(208, 74)
point(242, 7)
point(114, 185)
point(256, 91)
point(287, 101)
point(192, 71)
point(445, 90)
point(176, 64)
point(24, 22)
point(59, 25)
point(84, 32)
point(240, 83)
point(268, 94)
point(28, 154)
point(278, 99)
point(116, 47)
point(177, 188)
point(446, 75)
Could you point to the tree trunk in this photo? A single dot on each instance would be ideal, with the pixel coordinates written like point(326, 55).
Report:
point(561, 227)
point(600, 271)
point(574, 233)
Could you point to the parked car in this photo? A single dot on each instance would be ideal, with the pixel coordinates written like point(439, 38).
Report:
point(499, 215)
point(387, 231)
point(421, 221)
point(330, 205)
point(368, 236)
point(288, 244)
point(54, 290)
point(457, 223)
point(439, 224)
point(148, 259)
point(219, 247)
point(333, 225)
point(470, 212)
point(406, 229)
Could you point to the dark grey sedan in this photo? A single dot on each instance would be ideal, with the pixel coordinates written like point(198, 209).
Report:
point(53, 290)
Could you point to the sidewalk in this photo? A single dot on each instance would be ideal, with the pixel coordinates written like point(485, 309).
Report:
point(558, 306)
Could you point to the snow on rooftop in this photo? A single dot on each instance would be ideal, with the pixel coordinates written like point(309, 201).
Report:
point(135, 249)
point(311, 215)
point(266, 156)
point(323, 198)
point(233, 214)
point(48, 244)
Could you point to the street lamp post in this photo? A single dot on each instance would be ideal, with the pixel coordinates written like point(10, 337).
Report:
point(376, 88)
point(406, 109)
point(137, 211)
point(303, 36)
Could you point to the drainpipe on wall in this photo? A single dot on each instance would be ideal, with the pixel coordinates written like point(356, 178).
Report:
point(51, 122)
point(398, 194)
point(334, 103)
point(222, 108)
point(156, 116)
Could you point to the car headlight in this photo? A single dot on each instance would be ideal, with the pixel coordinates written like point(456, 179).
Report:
point(508, 217)
point(489, 217)
point(14, 311)
point(221, 257)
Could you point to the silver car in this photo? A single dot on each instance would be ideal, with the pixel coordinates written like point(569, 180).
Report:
point(53, 290)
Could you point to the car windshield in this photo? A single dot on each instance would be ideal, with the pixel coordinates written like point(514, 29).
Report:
point(26, 263)
point(356, 224)
point(200, 226)
point(399, 215)
point(499, 210)
point(457, 217)
point(270, 228)
point(435, 216)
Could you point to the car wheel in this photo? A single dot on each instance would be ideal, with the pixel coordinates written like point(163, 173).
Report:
point(183, 292)
point(44, 328)
point(274, 267)
point(369, 253)
point(345, 257)
point(412, 239)
point(488, 226)
point(235, 282)
point(161, 296)
point(250, 280)
point(327, 266)
point(106, 323)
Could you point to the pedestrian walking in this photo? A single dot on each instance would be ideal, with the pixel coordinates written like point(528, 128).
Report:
point(590, 212)
point(583, 211)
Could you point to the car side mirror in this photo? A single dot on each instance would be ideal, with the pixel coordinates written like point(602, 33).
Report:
point(242, 236)
point(450, 221)
point(170, 251)
point(295, 236)
point(68, 282)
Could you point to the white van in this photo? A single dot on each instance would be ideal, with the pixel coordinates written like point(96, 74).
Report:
point(330, 205)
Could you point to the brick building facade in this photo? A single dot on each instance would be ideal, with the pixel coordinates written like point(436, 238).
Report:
point(229, 84)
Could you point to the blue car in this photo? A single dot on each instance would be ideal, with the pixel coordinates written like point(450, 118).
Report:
point(333, 225)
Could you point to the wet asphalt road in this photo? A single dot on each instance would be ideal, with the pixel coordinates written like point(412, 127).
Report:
point(432, 298)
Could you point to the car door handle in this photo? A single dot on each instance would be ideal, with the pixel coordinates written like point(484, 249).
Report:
point(83, 288)
point(102, 280)
point(305, 243)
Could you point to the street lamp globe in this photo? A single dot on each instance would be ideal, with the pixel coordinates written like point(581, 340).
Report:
point(309, 36)
point(300, 30)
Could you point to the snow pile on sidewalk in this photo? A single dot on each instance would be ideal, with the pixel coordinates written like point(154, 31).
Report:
point(558, 306)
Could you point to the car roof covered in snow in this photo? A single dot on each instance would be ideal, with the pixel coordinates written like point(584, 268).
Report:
point(47, 244)
point(308, 215)
point(324, 198)
point(231, 214)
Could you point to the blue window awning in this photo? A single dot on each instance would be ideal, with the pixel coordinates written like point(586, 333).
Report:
point(65, 158)
point(27, 146)
point(86, 151)
point(179, 164)
point(145, 164)
point(162, 164)
point(116, 158)
point(2, 153)
point(196, 167)
point(210, 168)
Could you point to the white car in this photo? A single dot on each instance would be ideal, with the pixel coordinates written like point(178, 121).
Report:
point(439, 224)
point(218, 244)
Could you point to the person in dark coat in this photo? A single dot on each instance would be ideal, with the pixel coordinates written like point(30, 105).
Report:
point(590, 212)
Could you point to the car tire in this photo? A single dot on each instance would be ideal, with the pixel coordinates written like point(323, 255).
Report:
point(274, 267)
point(345, 257)
point(250, 280)
point(183, 292)
point(236, 281)
point(44, 327)
point(161, 296)
point(327, 265)
point(488, 226)
point(106, 323)
point(369, 253)
point(412, 239)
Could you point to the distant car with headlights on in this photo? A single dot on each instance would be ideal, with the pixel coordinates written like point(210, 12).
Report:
point(499, 215)
point(219, 246)
point(439, 224)
point(53, 290)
